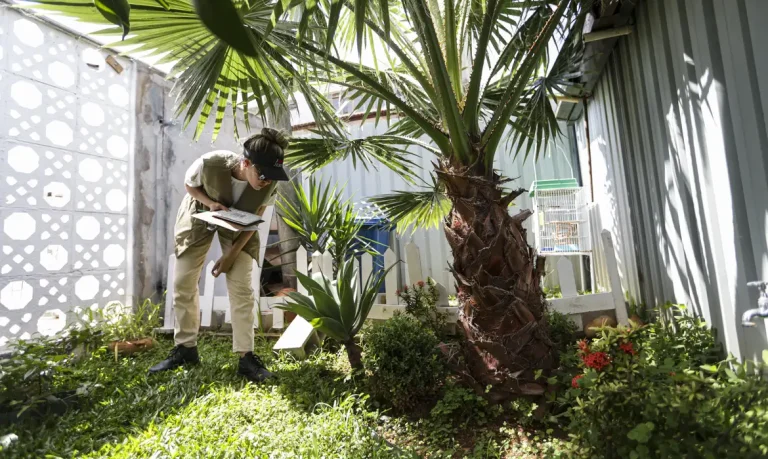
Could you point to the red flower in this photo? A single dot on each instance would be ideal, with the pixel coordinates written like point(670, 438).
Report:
point(583, 346)
point(456, 224)
point(627, 348)
point(596, 360)
point(397, 292)
point(672, 373)
point(421, 284)
point(575, 381)
point(405, 288)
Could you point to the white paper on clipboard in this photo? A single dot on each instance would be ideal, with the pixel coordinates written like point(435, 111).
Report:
point(210, 218)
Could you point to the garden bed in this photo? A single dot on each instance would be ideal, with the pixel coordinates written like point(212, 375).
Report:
point(317, 408)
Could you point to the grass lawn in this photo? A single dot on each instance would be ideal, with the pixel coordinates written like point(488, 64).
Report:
point(313, 409)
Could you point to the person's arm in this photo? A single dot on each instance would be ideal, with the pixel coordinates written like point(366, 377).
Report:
point(193, 183)
point(224, 263)
point(200, 194)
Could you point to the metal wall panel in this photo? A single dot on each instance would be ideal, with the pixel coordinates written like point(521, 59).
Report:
point(679, 146)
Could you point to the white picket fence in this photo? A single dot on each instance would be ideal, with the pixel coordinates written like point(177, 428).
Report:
point(571, 303)
point(388, 301)
point(574, 304)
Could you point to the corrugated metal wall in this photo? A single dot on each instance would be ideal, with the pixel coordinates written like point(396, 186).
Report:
point(554, 162)
point(680, 158)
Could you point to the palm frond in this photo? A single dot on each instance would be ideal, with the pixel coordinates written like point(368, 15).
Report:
point(534, 122)
point(426, 208)
point(404, 126)
point(312, 154)
point(211, 74)
point(519, 82)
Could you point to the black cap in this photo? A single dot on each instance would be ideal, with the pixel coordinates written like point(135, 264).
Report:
point(265, 151)
point(269, 163)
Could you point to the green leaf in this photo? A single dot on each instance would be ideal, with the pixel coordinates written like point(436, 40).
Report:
point(331, 328)
point(117, 12)
point(164, 4)
point(347, 288)
point(415, 209)
point(642, 432)
point(765, 356)
point(223, 20)
point(312, 154)
point(309, 10)
point(384, 5)
point(326, 305)
point(333, 22)
point(280, 7)
point(302, 311)
point(360, 9)
point(709, 368)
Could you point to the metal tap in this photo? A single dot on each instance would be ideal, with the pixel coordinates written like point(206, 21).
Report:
point(762, 305)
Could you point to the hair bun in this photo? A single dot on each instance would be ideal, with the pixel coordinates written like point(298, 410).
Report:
point(275, 136)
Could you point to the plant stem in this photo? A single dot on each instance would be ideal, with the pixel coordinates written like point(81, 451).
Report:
point(354, 354)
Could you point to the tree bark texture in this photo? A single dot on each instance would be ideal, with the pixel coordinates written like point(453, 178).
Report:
point(502, 305)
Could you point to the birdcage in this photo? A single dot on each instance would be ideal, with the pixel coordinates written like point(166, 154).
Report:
point(561, 217)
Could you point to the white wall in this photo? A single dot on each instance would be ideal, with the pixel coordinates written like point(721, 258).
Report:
point(65, 158)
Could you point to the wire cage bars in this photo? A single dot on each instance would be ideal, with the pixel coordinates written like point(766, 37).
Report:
point(561, 218)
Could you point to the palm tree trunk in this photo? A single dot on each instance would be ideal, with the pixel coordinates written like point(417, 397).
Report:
point(501, 302)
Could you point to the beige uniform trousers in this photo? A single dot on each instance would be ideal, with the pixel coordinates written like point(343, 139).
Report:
point(186, 297)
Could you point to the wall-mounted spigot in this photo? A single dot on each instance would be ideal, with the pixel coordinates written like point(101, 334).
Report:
point(762, 305)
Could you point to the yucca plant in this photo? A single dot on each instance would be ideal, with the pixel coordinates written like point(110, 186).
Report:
point(454, 77)
point(324, 221)
point(338, 307)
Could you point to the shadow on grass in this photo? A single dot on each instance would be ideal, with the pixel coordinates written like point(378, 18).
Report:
point(319, 379)
point(123, 399)
point(125, 403)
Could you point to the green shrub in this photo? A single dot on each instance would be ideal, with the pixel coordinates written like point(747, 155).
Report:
point(421, 302)
point(562, 329)
point(641, 395)
point(31, 374)
point(679, 336)
point(120, 323)
point(459, 409)
point(403, 361)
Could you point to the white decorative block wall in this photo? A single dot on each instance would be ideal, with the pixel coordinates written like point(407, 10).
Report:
point(65, 137)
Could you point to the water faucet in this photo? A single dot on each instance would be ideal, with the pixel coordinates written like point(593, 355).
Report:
point(762, 305)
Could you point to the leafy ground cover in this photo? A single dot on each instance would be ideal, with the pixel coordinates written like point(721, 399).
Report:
point(659, 390)
point(313, 409)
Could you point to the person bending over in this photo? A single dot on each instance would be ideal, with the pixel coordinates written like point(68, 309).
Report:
point(221, 180)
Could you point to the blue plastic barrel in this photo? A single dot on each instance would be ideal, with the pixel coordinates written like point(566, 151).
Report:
point(375, 234)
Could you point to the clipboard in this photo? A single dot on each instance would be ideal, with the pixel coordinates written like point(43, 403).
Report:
point(211, 219)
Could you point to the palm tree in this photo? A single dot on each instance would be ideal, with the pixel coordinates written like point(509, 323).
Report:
point(463, 75)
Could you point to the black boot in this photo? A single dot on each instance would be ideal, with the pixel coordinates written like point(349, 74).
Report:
point(179, 356)
point(253, 368)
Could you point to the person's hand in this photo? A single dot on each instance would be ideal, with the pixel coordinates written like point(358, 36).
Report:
point(217, 206)
point(223, 265)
